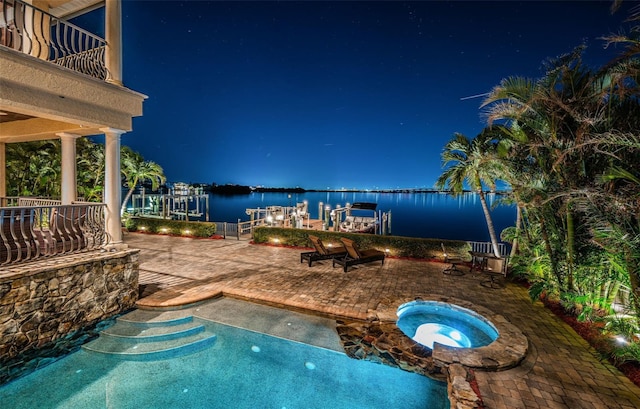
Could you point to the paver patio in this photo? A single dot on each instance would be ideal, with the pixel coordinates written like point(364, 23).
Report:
point(560, 371)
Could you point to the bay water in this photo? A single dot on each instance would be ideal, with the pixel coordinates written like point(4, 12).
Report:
point(423, 214)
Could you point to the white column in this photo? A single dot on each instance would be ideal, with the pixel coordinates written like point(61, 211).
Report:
point(112, 186)
point(3, 170)
point(113, 34)
point(69, 188)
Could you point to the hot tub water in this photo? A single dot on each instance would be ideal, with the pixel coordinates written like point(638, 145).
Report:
point(429, 322)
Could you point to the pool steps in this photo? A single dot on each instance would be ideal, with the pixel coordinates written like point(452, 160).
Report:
point(144, 335)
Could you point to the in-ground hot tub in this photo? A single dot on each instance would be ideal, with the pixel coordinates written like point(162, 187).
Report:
point(429, 322)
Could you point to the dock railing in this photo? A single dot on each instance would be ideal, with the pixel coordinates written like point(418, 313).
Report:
point(487, 247)
point(29, 233)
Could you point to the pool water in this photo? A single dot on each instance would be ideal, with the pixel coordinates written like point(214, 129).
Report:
point(427, 322)
point(242, 369)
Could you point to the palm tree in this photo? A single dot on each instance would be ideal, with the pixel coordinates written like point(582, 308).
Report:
point(33, 168)
point(136, 170)
point(472, 162)
point(573, 125)
point(90, 169)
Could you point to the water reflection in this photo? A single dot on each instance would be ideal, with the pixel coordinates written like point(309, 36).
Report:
point(432, 215)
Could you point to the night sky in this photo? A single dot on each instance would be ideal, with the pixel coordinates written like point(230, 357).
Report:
point(331, 94)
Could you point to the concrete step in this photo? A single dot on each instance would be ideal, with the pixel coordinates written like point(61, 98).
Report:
point(155, 318)
point(163, 337)
point(128, 331)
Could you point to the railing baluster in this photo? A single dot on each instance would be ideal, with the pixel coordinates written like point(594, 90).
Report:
point(29, 232)
point(35, 32)
point(487, 247)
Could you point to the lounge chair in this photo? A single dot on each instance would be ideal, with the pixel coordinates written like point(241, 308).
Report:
point(355, 256)
point(321, 252)
point(453, 261)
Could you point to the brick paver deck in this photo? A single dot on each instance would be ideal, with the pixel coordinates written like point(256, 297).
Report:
point(561, 371)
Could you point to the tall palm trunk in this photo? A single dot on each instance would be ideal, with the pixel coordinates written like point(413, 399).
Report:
point(547, 245)
point(487, 216)
point(123, 208)
point(514, 243)
point(570, 246)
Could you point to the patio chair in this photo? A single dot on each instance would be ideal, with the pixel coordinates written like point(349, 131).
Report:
point(356, 256)
point(453, 261)
point(321, 252)
point(496, 271)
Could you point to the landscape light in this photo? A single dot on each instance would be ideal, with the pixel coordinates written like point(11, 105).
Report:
point(276, 240)
point(143, 228)
point(621, 340)
point(387, 250)
point(187, 232)
point(164, 230)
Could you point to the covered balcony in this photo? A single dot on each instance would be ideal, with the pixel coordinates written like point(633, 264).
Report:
point(59, 81)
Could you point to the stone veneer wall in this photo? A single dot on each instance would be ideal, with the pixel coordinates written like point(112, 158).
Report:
point(42, 306)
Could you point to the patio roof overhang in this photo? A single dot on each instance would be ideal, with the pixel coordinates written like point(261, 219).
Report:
point(40, 99)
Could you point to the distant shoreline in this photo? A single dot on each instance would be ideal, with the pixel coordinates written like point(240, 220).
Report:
point(240, 189)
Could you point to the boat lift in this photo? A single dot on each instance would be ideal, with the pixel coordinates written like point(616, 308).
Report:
point(280, 216)
point(298, 217)
point(184, 202)
point(344, 219)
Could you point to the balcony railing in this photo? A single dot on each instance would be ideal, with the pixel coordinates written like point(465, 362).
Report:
point(35, 32)
point(30, 233)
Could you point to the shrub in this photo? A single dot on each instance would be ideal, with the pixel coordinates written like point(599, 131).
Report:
point(627, 353)
point(173, 227)
point(397, 246)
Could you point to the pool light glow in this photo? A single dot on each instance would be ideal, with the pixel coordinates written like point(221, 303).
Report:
point(430, 322)
point(430, 333)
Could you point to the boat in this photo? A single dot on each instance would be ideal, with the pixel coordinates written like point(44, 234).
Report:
point(357, 223)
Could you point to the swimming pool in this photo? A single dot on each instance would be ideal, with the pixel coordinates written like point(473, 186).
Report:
point(427, 322)
point(242, 369)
